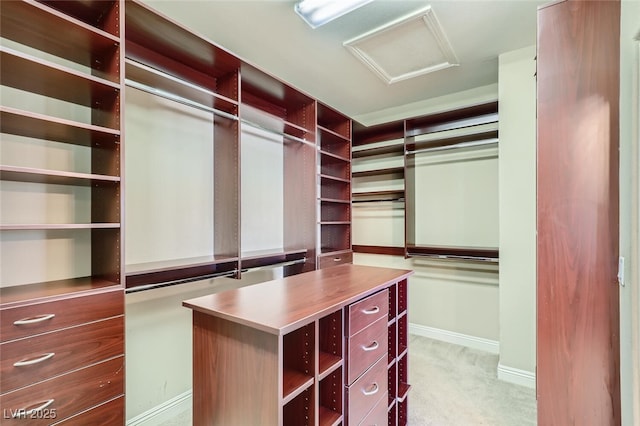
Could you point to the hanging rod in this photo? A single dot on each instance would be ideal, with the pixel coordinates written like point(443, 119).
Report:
point(178, 99)
point(454, 257)
point(455, 146)
point(275, 132)
point(276, 265)
point(181, 281)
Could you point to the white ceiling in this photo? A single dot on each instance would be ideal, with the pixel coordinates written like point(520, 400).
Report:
point(271, 36)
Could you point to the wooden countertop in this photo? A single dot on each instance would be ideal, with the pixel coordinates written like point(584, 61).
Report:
point(283, 305)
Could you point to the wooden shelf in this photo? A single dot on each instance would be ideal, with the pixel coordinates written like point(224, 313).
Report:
point(57, 226)
point(328, 363)
point(35, 175)
point(382, 150)
point(25, 294)
point(329, 417)
point(334, 200)
point(293, 384)
point(474, 115)
point(163, 82)
point(332, 155)
point(364, 135)
point(98, 14)
point(163, 44)
point(437, 143)
point(336, 222)
point(33, 125)
point(378, 172)
point(34, 75)
point(257, 259)
point(333, 178)
point(45, 33)
point(334, 133)
point(177, 270)
point(403, 391)
point(377, 196)
point(455, 252)
point(388, 250)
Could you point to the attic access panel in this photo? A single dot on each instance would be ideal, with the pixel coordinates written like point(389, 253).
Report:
point(408, 47)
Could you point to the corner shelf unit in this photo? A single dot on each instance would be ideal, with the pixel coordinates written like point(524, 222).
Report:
point(334, 180)
point(61, 190)
point(378, 142)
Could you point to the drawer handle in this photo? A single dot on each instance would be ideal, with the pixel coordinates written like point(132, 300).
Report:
point(372, 347)
point(26, 413)
point(374, 390)
point(34, 320)
point(26, 362)
point(337, 259)
point(371, 311)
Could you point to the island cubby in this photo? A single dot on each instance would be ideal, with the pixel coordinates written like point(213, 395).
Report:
point(294, 358)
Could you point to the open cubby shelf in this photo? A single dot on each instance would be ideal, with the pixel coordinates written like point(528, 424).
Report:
point(57, 177)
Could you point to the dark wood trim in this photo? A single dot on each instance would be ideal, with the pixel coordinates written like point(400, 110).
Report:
point(178, 273)
point(453, 251)
point(449, 120)
point(270, 257)
point(412, 146)
point(378, 172)
point(397, 148)
point(392, 251)
point(363, 135)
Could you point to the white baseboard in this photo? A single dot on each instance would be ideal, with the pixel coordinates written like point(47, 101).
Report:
point(491, 346)
point(517, 376)
point(163, 412)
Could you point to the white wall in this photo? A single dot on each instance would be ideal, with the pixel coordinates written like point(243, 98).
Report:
point(629, 216)
point(517, 109)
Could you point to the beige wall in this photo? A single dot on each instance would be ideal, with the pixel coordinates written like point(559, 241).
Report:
point(629, 217)
point(517, 109)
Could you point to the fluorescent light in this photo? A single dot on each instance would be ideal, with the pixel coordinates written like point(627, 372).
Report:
point(319, 12)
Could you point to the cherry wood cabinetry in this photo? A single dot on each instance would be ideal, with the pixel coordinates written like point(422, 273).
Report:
point(578, 346)
point(320, 353)
point(61, 295)
point(334, 163)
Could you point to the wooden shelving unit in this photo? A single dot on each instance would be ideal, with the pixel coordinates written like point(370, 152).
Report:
point(334, 164)
point(167, 60)
point(82, 44)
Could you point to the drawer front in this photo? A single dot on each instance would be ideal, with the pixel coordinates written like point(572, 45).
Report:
point(110, 413)
point(34, 359)
point(65, 395)
point(24, 321)
point(366, 347)
point(367, 311)
point(377, 416)
point(365, 393)
point(334, 260)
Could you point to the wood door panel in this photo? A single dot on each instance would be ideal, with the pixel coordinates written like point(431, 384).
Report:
point(577, 295)
point(370, 388)
point(110, 413)
point(365, 348)
point(367, 311)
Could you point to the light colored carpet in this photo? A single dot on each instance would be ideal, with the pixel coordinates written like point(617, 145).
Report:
point(454, 386)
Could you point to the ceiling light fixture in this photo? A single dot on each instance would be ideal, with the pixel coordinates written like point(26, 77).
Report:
point(319, 12)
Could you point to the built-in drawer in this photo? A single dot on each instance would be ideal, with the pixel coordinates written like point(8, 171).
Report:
point(377, 416)
point(28, 320)
point(63, 396)
point(334, 260)
point(367, 311)
point(37, 358)
point(110, 413)
point(365, 392)
point(365, 348)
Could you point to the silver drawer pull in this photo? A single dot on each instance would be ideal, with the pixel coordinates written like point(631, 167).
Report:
point(372, 347)
point(24, 363)
point(34, 320)
point(337, 259)
point(374, 390)
point(371, 311)
point(26, 413)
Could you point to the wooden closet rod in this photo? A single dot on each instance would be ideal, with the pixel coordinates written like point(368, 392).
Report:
point(275, 132)
point(178, 99)
point(182, 281)
point(454, 146)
